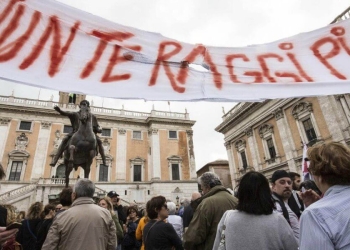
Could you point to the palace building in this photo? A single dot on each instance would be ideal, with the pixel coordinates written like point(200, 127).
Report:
point(267, 136)
point(147, 154)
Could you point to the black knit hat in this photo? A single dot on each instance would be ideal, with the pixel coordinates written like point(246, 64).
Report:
point(278, 175)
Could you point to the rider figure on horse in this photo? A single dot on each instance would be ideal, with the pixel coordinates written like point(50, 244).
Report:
point(74, 119)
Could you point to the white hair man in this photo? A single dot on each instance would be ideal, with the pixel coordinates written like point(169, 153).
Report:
point(174, 219)
point(83, 226)
point(216, 200)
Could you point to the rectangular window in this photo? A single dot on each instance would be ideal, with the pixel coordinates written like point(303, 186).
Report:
point(16, 170)
point(136, 135)
point(271, 148)
point(25, 125)
point(172, 134)
point(175, 172)
point(137, 172)
point(103, 175)
point(106, 132)
point(67, 129)
point(309, 130)
point(244, 160)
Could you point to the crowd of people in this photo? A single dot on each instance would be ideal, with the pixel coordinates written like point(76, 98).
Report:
point(284, 213)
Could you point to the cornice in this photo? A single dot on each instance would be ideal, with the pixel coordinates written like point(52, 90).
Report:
point(241, 115)
point(258, 119)
point(48, 112)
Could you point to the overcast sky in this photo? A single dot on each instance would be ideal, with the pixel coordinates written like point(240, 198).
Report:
point(227, 23)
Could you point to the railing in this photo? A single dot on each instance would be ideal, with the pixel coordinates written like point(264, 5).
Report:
point(95, 110)
point(343, 16)
point(56, 181)
point(15, 193)
point(234, 110)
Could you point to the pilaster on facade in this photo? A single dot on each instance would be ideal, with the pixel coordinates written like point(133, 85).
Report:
point(344, 102)
point(231, 163)
point(4, 121)
point(278, 114)
point(4, 131)
point(286, 138)
point(41, 152)
point(248, 132)
point(192, 166)
point(45, 125)
point(154, 141)
point(331, 117)
point(121, 155)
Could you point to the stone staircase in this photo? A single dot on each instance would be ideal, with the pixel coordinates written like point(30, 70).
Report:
point(18, 192)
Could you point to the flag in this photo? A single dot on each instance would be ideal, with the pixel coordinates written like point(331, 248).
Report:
point(305, 164)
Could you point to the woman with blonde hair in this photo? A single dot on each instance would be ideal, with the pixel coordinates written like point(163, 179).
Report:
point(142, 223)
point(27, 233)
point(106, 203)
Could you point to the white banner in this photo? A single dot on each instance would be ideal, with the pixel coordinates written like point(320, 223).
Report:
point(50, 45)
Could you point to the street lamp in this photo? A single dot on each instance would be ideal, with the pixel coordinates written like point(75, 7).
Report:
point(177, 200)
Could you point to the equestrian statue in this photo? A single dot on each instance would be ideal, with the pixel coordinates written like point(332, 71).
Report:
point(82, 144)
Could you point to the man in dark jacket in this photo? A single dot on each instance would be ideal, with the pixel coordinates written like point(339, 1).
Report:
point(188, 213)
point(118, 208)
point(294, 202)
point(208, 210)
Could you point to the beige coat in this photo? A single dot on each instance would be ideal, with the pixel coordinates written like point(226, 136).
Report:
point(83, 226)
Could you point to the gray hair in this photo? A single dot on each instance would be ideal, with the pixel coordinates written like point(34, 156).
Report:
point(171, 207)
point(84, 188)
point(186, 202)
point(209, 180)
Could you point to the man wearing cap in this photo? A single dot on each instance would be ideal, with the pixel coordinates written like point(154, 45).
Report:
point(118, 208)
point(282, 191)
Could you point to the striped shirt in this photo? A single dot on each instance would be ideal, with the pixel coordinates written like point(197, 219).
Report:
point(325, 224)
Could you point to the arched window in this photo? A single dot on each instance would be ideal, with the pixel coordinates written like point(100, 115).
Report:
point(61, 171)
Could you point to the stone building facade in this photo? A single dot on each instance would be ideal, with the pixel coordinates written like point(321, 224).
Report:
point(221, 168)
point(267, 136)
point(147, 154)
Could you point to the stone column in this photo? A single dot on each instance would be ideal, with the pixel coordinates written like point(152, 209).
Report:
point(41, 151)
point(331, 117)
point(121, 155)
point(192, 166)
point(345, 107)
point(231, 163)
point(252, 147)
point(286, 138)
point(154, 141)
point(4, 131)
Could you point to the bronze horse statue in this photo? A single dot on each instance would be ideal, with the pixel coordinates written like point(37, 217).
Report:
point(81, 148)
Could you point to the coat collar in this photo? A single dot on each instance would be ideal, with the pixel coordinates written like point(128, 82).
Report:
point(83, 200)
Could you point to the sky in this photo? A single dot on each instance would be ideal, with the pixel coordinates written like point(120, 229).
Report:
point(226, 23)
